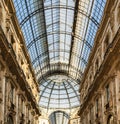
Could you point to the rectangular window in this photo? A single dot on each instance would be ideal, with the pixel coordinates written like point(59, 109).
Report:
point(12, 94)
point(107, 93)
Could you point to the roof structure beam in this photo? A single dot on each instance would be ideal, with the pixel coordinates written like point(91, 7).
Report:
point(74, 91)
point(50, 96)
point(67, 95)
point(46, 36)
point(85, 36)
point(73, 32)
point(32, 30)
point(45, 88)
point(55, 70)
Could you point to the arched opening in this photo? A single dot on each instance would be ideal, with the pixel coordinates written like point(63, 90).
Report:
point(59, 117)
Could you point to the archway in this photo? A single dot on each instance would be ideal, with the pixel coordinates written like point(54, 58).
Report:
point(59, 117)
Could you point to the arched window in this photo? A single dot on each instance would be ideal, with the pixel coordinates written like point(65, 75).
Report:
point(10, 120)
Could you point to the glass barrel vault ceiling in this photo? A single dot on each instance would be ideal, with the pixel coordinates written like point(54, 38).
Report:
point(59, 91)
point(59, 36)
point(59, 117)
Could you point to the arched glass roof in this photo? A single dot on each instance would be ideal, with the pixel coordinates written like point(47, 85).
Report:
point(59, 117)
point(60, 92)
point(59, 36)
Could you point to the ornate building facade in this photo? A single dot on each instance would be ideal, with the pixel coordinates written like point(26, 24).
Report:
point(19, 91)
point(100, 87)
